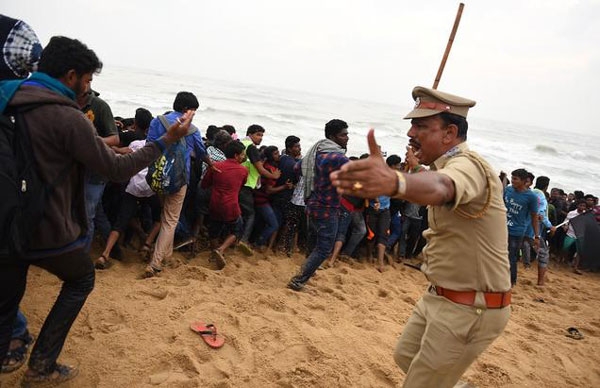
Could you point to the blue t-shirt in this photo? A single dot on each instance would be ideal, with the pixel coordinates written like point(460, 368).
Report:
point(519, 206)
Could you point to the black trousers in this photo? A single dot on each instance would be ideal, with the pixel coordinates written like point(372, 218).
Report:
point(76, 270)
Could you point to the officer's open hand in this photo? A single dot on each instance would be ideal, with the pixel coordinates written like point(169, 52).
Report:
point(366, 178)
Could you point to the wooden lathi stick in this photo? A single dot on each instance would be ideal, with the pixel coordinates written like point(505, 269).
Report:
point(448, 46)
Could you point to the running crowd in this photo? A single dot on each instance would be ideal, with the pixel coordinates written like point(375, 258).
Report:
point(236, 193)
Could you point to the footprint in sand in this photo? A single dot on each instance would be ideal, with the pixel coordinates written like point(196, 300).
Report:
point(496, 374)
point(111, 321)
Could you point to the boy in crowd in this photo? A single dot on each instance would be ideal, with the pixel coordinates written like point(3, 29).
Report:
point(521, 210)
point(224, 207)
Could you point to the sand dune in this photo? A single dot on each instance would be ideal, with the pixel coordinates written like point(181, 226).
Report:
point(341, 332)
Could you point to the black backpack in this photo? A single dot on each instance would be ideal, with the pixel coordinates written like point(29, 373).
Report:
point(22, 192)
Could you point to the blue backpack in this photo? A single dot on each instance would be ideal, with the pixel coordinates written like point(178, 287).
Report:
point(168, 173)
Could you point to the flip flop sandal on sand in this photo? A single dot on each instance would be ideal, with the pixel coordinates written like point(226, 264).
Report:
point(245, 249)
point(15, 358)
point(60, 374)
point(208, 332)
point(102, 262)
point(574, 333)
point(218, 258)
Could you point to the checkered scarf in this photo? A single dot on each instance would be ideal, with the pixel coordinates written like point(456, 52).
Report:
point(21, 49)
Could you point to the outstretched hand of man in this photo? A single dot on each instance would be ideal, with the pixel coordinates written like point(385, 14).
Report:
point(366, 178)
point(179, 128)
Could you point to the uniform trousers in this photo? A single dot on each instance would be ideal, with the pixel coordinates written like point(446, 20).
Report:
point(442, 338)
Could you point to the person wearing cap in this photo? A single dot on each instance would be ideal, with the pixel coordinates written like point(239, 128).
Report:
point(21, 51)
point(466, 306)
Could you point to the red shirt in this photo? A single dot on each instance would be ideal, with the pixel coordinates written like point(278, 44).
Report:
point(261, 198)
point(225, 188)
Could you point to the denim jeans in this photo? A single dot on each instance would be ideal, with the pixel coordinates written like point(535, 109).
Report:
point(395, 229)
point(20, 326)
point(514, 244)
point(343, 225)
point(325, 230)
point(271, 224)
point(246, 199)
point(76, 270)
point(358, 230)
point(93, 196)
point(411, 228)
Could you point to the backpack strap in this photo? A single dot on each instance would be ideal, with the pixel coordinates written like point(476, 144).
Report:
point(163, 120)
point(488, 176)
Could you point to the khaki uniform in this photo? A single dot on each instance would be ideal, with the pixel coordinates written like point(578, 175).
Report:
point(466, 250)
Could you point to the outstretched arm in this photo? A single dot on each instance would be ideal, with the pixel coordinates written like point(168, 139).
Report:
point(375, 178)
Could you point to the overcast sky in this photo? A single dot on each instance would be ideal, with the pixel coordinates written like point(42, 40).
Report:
point(527, 61)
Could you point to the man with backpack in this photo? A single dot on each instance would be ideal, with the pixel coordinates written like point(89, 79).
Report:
point(60, 143)
point(174, 195)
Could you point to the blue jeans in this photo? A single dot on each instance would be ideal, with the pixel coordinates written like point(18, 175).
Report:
point(358, 230)
point(325, 231)
point(271, 224)
point(514, 244)
point(343, 225)
point(20, 326)
point(93, 196)
point(395, 229)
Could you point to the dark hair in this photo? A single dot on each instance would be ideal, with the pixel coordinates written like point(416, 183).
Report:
point(352, 158)
point(254, 128)
point(578, 194)
point(234, 148)
point(185, 101)
point(63, 54)
point(530, 176)
point(459, 121)
point(211, 131)
point(520, 173)
point(291, 141)
point(269, 152)
point(393, 159)
point(142, 119)
point(587, 196)
point(229, 128)
point(335, 126)
point(363, 156)
point(221, 139)
point(579, 201)
point(542, 182)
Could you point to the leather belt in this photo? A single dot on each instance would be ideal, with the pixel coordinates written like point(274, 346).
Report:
point(493, 300)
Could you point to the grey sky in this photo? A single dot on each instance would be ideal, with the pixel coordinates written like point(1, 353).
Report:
point(535, 62)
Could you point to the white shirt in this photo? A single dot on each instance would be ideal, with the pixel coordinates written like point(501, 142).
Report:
point(137, 186)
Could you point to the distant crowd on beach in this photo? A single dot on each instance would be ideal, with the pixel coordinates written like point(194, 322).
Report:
point(273, 216)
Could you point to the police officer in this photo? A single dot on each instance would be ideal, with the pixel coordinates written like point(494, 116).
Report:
point(466, 306)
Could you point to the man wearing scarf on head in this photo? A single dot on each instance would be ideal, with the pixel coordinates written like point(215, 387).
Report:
point(21, 50)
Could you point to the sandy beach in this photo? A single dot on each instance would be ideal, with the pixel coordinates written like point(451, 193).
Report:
point(340, 332)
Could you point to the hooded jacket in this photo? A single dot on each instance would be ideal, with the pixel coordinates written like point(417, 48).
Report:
point(64, 140)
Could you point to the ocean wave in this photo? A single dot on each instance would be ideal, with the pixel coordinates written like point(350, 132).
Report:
point(545, 149)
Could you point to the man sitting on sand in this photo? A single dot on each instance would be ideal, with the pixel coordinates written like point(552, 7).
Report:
point(224, 208)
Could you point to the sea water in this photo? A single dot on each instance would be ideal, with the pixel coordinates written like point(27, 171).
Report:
point(570, 160)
